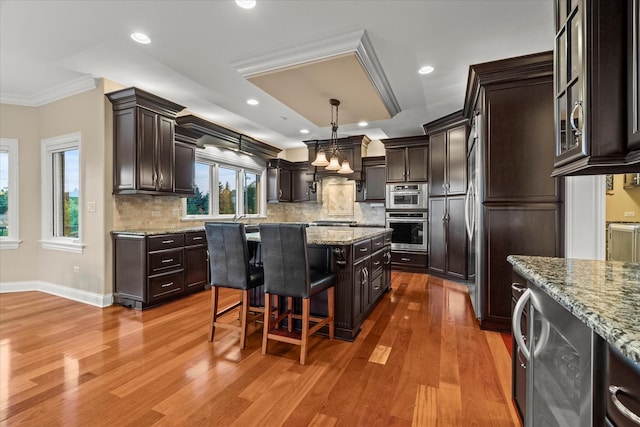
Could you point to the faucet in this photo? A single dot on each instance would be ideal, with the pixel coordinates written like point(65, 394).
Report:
point(237, 217)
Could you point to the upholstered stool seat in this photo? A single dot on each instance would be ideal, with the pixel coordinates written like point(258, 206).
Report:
point(287, 274)
point(230, 268)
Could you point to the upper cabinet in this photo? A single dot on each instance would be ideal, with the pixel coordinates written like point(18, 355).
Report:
point(143, 147)
point(372, 189)
point(407, 159)
point(289, 182)
point(633, 73)
point(447, 155)
point(590, 88)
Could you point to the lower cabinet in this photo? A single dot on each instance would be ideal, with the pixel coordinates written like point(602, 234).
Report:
point(408, 260)
point(152, 269)
point(447, 237)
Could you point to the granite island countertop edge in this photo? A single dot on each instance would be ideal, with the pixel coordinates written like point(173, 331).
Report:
point(592, 297)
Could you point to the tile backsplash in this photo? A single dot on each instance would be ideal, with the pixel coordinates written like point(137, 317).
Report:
point(142, 212)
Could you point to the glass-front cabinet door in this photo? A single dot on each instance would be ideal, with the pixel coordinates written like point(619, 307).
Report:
point(569, 79)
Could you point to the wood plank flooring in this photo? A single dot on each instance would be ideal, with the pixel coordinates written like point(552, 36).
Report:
point(419, 360)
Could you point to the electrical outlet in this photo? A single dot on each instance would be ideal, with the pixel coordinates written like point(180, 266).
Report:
point(76, 269)
point(155, 213)
point(629, 213)
point(91, 206)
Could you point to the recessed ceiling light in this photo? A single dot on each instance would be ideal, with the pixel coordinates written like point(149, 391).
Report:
point(363, 124)
point(246, 4)
point(426, 69)
point(304, 130)
point(252, 101)
point(141, 38)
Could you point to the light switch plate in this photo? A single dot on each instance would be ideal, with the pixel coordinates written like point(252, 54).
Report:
point(91, 206)
point(630, 213)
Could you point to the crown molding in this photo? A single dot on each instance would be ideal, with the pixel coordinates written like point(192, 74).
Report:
point(72, 87)
point(356, 42)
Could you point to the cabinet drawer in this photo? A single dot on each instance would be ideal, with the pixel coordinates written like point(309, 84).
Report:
point(165, 260)
point(193, 238)
point(166, 241)
point(387, 239)
point(377, 243)
point(409, 259)
point(376, 287)
point(361, 249)
point(377, 263)
point(165, 285)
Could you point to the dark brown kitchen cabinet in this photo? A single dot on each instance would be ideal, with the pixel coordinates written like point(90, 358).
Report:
point(623, 383)
point(152, 269)
point(590, 88)
point(409, 260)
point(372, 189)
point(289, 182)
point(185, 161)
point(447, 237)
point(143, 147)
point(406, 159)
point(447, 155)
point(633, 73)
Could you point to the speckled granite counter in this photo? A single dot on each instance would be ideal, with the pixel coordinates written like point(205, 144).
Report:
point(605, 295)
point(335, 236)
point(158, 232)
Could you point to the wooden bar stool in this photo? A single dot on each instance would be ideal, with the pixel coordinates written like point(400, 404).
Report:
point(287, 274)
point(230, 268)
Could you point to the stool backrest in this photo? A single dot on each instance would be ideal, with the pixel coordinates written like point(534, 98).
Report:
point(285, 259)
point(228, 254)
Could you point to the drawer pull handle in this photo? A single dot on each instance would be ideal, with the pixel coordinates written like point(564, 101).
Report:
point(363, 249)
point(197, 238)
point(614, 389)
point(405, 259)
point(167, 284)
point(518, 287)
point(376, 263)
point(378, 243)
point(165, 261)
point(166, 242)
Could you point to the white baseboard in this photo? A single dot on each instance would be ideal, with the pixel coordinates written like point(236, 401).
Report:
point(91, 298)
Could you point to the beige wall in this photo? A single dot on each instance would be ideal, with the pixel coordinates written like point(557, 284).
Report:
point(21, 123)
point(622, 200)
point(84, 113)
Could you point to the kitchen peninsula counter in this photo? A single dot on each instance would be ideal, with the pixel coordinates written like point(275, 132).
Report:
point(321, 235)
point(605, 295)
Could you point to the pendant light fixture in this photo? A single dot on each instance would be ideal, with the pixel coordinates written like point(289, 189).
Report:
point(333, 164)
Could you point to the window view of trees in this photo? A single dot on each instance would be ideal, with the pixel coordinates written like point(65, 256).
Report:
point(67, 171)
point(228, 180)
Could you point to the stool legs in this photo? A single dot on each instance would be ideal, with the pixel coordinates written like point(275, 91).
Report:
point(214, 312)
point(267, 322)
point(331, 299)
point(304, 339)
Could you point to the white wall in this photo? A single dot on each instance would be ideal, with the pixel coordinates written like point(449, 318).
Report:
point(585, 217)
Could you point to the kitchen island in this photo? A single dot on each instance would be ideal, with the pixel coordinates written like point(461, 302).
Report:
point(578, 361)
point(360, 257)
point(153, 267)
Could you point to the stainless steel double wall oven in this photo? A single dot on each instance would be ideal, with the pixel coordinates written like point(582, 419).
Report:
point(406, 213)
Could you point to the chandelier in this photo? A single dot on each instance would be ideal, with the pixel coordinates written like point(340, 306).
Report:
point(333, 164)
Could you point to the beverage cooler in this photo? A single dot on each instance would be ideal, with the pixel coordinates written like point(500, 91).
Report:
point(624, 242)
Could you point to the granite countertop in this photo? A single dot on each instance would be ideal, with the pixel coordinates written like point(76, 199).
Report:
point(605, 295)
point(158, 232)
point(335, 235)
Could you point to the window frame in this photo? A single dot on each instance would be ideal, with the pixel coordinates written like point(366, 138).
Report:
point(216, 159)
point(49, 147)
point(12, 240)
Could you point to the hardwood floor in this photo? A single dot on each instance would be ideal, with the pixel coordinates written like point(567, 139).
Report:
point(420, 360)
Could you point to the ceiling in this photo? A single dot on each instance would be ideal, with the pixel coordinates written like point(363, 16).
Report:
point(53, 48)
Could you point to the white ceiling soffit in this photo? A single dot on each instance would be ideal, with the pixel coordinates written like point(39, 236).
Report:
point(344, 67)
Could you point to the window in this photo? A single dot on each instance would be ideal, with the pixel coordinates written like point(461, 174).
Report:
point(61, 193)
point(9, 194)
point(238, 180)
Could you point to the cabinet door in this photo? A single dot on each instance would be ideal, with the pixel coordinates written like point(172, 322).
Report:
point(196, 267)
point(165, 154)
point(147, 133)
point(300, 186)
point(124, 150)
point(374, 187)
point(456, 238)
point(456, 165)
point(185, 160)
point(417, 164)
point(395, 164)
point(437, 234)
point(360, 289)
point(437, 164)
point(285, 185)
